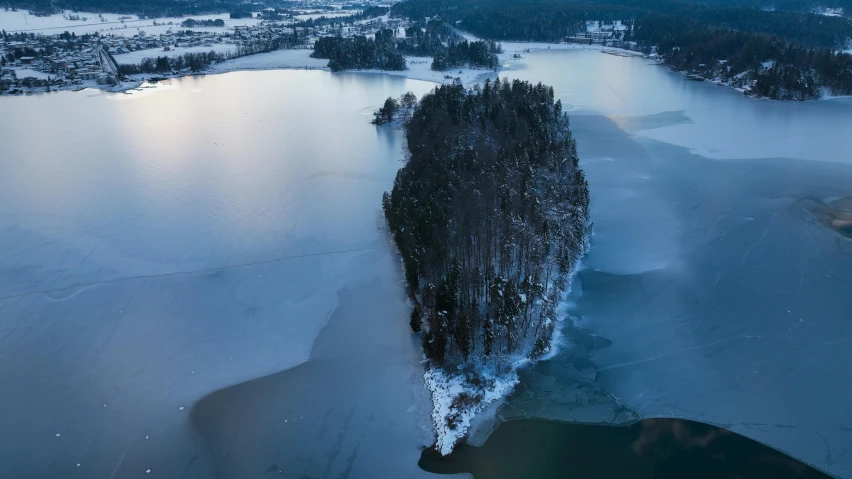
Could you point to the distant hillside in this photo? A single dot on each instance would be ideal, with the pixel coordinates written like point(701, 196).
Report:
point(550, 20)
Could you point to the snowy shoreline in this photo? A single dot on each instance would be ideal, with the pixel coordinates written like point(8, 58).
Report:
point(446, 389)
point(286, 59)
point(419, 68)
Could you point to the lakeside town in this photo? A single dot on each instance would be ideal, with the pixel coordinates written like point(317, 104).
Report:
point(126, 50)
point(32, 61)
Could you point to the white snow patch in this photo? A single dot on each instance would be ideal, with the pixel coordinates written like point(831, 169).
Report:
point(290, 58)
point(108, 23)
point(22, 73)
point(452, 417)
point(133, 58)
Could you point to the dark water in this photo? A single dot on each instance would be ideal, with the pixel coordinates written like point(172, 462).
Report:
point(653, 448)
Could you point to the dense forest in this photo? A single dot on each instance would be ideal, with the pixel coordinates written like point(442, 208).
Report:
point(360, 53)
point(439, 40)
point(770, 65)
point(481, 53)
point(551, 20)
point(490, 215)
point(426, 39)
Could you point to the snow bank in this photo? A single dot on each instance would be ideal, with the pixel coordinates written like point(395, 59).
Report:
point(455, 401)
point(458, 398)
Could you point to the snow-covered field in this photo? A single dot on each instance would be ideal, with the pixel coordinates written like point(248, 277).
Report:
point(139, 55)
point(30, 73)
point(106, 23)
point(314, 16)
point(279, 59)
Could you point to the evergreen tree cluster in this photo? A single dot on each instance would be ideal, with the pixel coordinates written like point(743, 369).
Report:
point(193, 61)
point(386, 112)
point(360, 53)
point(490, 215)
point(427, 39)
point(481, 53)
point(450, 50)
point(193, 23)
point(392, 106)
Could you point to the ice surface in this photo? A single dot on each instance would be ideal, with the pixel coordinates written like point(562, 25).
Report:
point(337, 415)
point(186, 239)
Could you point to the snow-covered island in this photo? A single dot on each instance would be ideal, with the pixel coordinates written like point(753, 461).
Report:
point(490, 216)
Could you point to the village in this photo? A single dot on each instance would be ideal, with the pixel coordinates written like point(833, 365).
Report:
point(35, 61)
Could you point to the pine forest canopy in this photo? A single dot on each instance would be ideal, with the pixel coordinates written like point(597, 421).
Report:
point(490, 216)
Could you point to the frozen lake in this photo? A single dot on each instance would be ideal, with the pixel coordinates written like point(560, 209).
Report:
point(194, 279)
point(710, 293)
point(166, 244)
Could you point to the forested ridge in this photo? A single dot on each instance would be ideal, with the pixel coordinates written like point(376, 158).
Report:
point(490, 216)
point(786, 55)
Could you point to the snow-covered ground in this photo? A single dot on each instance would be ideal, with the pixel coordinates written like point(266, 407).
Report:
point(279, 59)
point(829, 12)
point(314, 16)
point(112, 24)
point(446, 388)
point(30, 73)
point(139, 55)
